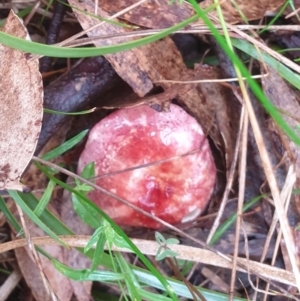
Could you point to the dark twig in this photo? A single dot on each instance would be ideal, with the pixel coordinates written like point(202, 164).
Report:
point(59, 10)
point(71, 92)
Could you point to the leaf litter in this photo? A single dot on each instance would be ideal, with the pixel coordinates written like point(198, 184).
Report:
point(21, 93)
point(150, 66)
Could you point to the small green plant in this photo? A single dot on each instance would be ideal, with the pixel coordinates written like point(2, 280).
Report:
point(163, 250)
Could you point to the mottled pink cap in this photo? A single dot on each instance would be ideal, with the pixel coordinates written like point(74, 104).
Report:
point(176, 190)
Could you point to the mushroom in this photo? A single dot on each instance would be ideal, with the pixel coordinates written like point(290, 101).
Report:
point(174, 171)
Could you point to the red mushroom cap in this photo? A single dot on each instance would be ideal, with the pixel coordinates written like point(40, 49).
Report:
point(176, 190)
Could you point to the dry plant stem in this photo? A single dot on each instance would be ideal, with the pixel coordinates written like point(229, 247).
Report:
point(272, 182)
point(194, 292)
point(265, 249)
point(233, 28)
point(229, 71)
point(82, 33)
point(286, 194)
point(35, 256)
point(96, 7)
point(48, 14)
point(198, 81)
point(268, 138)
point(146, 32)
point(216, 280)
point(268, 50)
point(10, 283)
point(195, 30)
point(241, 197)
point(32, 12)
point(150, 248)
point(255, 288)
point(247, 251)
point(229, 181)
point(218, 257)
point(287, 233)
point(73, 175)
point(260, 45)
point(192, 271)
point(89, 80)
point(158, 162)
point(287, 187)
point(244, 27)
point(207, 280)
point(292, 13)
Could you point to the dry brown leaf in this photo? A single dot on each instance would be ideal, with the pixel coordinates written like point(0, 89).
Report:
point(160, 102)
point(241, 10)
point(208, 103)
point(159, 61)
point(33, 277)
point(60, 284)
point(184, 252)
point(205, 101)
point(72, 257)
point(10, 283)
point(21, 109)
point(162, 14)
point(287, 100)
point(127, 64)
point(150, 14)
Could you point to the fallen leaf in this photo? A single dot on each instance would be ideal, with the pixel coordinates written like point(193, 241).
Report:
point(287, 100)
point(151, 14)
point(21, 109)
point(241, 10)
point(33, 277)
point(128, 64)
point(151, 64)
point(162, 14)
point(59, 284)
point(72, 257)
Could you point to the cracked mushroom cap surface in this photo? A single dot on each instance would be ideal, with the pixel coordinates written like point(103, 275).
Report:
point(176, 190)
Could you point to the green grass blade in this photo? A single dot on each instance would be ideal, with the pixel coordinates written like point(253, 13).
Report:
point(99, 251)
point(69, 113)
point(143, 276)
point(45, 199)
point(87, 274)
point(93, 240)
point(47, 217)
point(64, 147)
point(252, 83)
point(90, 217)
point(232, 219)
point(65, 52)
point(152, 296)
point(180, 288)
point(278, 15)
point(118, 230)
point(18, 199)
point(131, 282)
point(9, 216)
point(286, 73)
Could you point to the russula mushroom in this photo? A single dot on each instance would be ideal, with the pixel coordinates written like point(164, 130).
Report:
point(175, 190)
